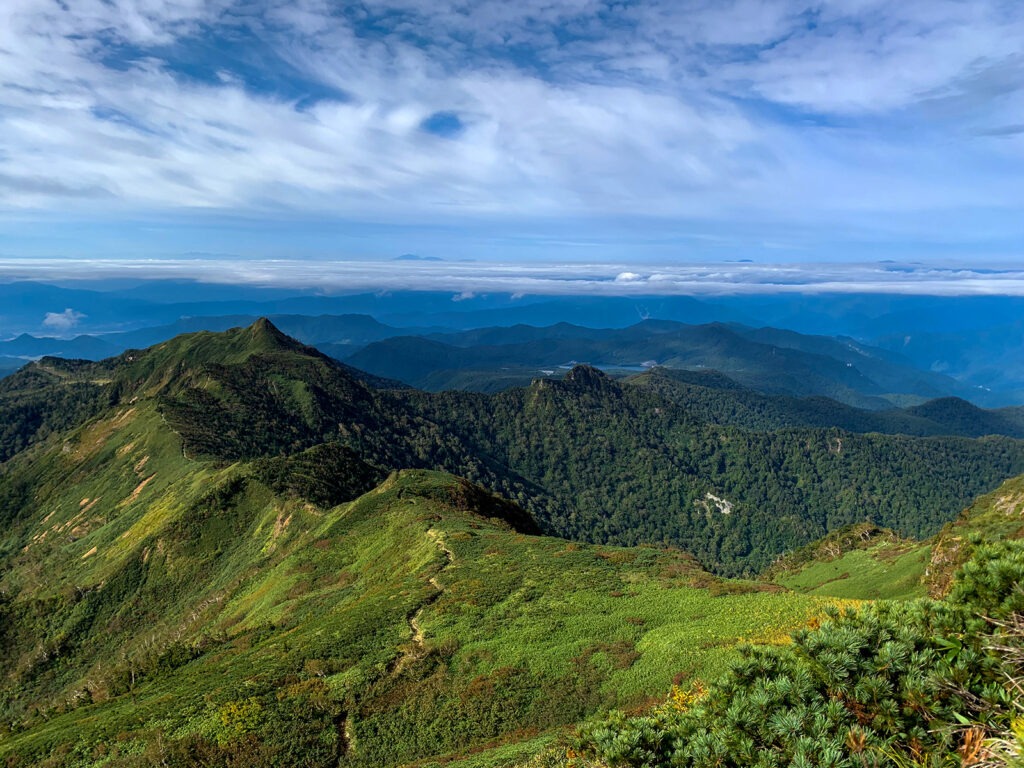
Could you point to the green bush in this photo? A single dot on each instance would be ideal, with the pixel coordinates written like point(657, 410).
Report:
point(888, 683)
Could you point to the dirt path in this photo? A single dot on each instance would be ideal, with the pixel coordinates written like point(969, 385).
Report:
point(418, 648)
point(346, 739)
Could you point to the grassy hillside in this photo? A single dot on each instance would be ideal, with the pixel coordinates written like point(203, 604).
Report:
point(166, 610)
point(867, 562)
point(861, 562)
point(997, 516)
point(589, 458)
point(211, 561)
point(925, 683)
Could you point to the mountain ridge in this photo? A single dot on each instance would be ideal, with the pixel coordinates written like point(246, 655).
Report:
point(618, 463)
point(238, 552)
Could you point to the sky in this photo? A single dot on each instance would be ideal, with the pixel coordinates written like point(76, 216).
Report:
point(645, 136)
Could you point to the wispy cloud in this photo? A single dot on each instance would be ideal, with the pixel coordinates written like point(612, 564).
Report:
point(835, 114)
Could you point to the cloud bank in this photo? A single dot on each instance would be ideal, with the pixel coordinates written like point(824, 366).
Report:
point(467, 280)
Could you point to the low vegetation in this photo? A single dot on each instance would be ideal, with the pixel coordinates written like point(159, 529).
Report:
point(918, 683)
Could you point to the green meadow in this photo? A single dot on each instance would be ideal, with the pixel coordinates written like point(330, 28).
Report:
point(165, 606)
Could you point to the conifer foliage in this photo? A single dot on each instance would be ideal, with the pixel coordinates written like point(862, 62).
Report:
point(926, 683)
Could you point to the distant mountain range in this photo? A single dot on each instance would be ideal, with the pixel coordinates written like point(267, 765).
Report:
point(975, 341)
point(766, 359)
point(769, 360)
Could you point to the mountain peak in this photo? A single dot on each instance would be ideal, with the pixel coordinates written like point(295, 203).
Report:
point(265, 334)
point(230, 346)
point(168, 365)
point(263, 325)
point(587, 375)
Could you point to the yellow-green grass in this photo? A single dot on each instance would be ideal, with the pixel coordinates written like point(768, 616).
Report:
point(543, 630)
point(886, 571)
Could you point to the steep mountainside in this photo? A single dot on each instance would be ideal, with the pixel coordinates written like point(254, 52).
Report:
point(162, 609)
point(208, 557)
point(858, 562)
point(997, 516)
point(627, 466)
point(865, 561)
point(51, 395)
point(590, 459)
point(887, 683)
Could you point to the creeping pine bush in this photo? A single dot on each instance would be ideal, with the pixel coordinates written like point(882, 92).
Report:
point(919, 683)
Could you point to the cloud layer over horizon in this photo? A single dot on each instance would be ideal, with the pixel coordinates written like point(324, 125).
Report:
point(819, 129)
point(518, 279)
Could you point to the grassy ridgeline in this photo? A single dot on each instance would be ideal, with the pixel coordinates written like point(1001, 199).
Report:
point(161, 608)
point(208, 569)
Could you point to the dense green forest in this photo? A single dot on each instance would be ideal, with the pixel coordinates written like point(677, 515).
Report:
point(626, 466)
point(50, 396)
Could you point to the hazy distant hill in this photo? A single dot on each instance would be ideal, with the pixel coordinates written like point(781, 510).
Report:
point(82, 347)
point(768, 360)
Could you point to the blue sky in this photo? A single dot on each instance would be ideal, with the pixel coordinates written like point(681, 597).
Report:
point(631, 134)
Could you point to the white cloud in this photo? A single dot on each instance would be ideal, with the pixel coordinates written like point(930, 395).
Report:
point(693, 110)
point(62, 322)
point(881, 56)
point(628, 277)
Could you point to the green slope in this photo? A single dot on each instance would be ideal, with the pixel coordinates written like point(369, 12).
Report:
point(891, 683)
point(218, 567)
point(866, 562)
point(162, 610)
point(996, 516)
point(589, 458)
point(161, 607)
point(859, 562)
